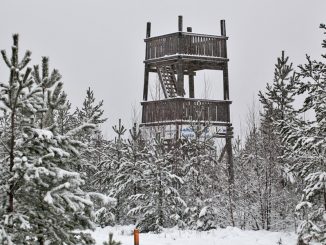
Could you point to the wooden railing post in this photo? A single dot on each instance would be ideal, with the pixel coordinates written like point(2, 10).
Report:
point(136, 237)
point(180, 23)
point(223, 29)
point(148, 30)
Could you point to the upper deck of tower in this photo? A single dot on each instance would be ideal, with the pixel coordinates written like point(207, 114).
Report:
point(207, 50)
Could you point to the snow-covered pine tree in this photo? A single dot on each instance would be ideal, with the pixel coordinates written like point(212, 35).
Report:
point(129, 176)
point(102, 181)
point(90, 110)
point(45, 202)
point(278, 98)
point(265, 187)
point(199, 190)
point(107, 171)
point(4, 171)
point(250, 190)
point(65, 119)
point(307, 138)
point(280, 194)
point(118, 155)
point(92, 156)
point(19, 102)
point(158, 201)
point(46, 81)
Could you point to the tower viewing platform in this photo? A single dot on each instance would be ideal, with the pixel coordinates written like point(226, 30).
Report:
point(174, 56)
point(180, 110)
point(187, 46)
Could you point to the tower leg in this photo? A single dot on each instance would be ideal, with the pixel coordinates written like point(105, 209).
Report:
point(146, 75)
point(226, 82)
point(230, 173)
point(228, 145)
point(180, 82)
point(191, 85)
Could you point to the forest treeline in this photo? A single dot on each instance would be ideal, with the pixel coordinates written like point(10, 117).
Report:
point(59, 175)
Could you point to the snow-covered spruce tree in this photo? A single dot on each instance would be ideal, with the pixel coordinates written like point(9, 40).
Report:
point(45, 202)
point(307, 138)
point(157, 202)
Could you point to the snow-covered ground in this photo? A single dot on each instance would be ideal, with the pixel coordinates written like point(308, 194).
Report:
point(228, 236)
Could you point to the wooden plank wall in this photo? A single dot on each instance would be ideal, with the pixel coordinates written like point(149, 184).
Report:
point(185, 109)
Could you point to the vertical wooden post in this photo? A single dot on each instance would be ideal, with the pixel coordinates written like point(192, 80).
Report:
point(225, 66)
point(180, 23)
point(191, 76)
point(226, 81)
point(226, 95)
point(136, 237)
point(223, 43)
point(148, 30)
point(223, 29)
point(146, 72)
point(146, 76)
point(191, 85)
point(180, 81)
point(229, 154)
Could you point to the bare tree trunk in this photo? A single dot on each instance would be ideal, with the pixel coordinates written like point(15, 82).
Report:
point(301, 242)
point(41, 240)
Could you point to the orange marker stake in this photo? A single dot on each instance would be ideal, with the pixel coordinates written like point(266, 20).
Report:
point(136, 237)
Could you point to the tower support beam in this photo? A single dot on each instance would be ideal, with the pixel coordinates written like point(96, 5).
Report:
point(146, 77)
point(180, 81)
point(191, 85)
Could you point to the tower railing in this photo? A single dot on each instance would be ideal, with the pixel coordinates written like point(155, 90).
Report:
point(185, 109)
point(186, 43)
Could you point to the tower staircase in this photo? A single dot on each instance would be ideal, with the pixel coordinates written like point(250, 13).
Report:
point(167, 80)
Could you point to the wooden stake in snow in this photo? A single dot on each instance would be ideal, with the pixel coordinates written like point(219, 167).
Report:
point(136, 237)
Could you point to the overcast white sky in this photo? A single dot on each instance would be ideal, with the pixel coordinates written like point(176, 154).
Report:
point(100, 43)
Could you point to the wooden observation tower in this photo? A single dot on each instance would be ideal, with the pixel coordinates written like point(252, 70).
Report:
point(174, 56)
